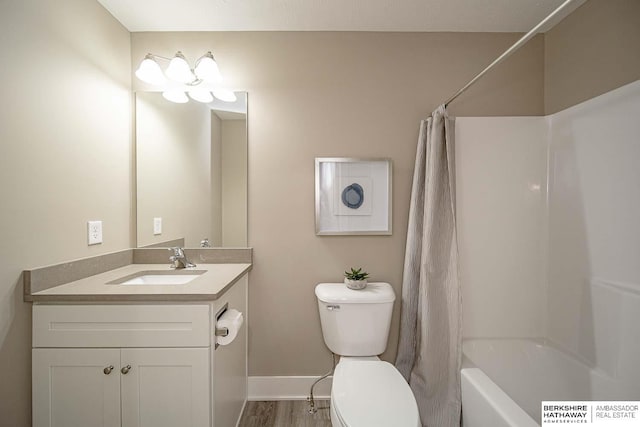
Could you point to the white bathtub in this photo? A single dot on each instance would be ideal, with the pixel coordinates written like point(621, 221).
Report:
point(504, 381)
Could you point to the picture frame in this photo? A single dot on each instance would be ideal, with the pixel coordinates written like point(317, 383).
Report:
point(353, 196)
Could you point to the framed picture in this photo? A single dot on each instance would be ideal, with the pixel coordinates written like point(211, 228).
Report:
point(353, 196)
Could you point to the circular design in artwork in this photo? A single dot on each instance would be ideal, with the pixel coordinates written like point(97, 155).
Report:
point(353, 196)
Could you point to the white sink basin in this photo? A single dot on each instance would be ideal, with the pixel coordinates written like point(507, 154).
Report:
point(173, 277)
point(160, 279)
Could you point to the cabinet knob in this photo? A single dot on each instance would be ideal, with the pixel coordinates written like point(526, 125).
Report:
point(108, 370)
point(125, 370)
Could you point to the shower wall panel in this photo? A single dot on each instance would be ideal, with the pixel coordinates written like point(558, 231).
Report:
point(501, 199)
point(594, 230)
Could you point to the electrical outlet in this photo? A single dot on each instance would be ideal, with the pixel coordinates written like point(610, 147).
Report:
point(157, 226)
point(94, 232)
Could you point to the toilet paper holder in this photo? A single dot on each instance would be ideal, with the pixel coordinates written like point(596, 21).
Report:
point(221, 332)
point(228, 324)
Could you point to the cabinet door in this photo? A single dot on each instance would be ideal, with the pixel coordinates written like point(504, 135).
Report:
point(165, 387)
point(72, 389)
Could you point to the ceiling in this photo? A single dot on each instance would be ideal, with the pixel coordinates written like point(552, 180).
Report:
point(334, 15)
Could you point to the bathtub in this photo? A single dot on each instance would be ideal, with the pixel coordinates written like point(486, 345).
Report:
point(504, 381)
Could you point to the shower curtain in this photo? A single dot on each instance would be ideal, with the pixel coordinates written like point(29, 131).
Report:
point(429, 350)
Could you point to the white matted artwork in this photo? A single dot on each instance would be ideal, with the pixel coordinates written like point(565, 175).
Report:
point(353, 196)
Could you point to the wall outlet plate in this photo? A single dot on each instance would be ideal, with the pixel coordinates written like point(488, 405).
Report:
point(157, 226)
point(94, 232)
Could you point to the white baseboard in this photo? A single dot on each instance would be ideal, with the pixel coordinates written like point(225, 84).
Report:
point(287, 388)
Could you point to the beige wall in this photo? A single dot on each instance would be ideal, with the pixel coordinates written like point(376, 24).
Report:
point(234, 183)
point(173, 169)
point(66, 158)
point(592, 51)
point(338, 94)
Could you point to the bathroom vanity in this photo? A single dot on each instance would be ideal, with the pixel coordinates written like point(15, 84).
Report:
point(109, 353)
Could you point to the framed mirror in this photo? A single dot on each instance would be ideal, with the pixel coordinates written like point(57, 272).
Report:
point(191, 172)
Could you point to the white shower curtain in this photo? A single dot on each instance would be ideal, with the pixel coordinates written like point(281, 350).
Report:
point(429, 350)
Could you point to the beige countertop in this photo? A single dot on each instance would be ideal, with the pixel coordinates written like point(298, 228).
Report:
point(209, 286)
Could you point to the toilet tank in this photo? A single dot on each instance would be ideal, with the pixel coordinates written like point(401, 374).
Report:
point(355, 322)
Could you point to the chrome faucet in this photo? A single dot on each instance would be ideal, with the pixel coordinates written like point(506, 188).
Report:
point(179, 259)
point(205, 243)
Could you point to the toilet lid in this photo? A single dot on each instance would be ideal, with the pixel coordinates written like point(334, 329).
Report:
point(371, 394)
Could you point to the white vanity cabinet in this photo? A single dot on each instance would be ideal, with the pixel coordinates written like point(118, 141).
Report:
point(137, 365)
point(128, 387)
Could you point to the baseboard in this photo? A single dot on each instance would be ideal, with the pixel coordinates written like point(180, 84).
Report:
point(287, 388)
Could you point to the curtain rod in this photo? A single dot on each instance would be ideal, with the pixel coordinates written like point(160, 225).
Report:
point(509, 51)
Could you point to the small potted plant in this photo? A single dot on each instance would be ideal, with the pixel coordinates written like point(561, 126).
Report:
point(356, 279)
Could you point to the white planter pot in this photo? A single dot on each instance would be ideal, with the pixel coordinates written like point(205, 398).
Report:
point(355, 284)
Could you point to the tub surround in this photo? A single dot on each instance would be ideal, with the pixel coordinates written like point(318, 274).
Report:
point(566, 269)
point(88, 279)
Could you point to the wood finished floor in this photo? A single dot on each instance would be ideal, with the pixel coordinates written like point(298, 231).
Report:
point(285, 413)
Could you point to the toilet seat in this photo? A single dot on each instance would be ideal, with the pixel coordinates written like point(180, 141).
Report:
point(372, 394)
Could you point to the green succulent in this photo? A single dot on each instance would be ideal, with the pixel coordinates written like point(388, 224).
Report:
point(356, 274)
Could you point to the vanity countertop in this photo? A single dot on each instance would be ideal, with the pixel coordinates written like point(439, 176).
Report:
point(208, 286)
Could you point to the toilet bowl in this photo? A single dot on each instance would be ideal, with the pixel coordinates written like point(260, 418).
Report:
point(366, 392)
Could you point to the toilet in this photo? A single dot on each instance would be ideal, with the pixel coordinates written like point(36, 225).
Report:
point(366, 391)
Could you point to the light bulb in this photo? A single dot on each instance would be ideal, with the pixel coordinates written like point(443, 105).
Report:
point(149, 71)
point(176, 96)
point(178, 69)
point(207, 69)
point(225, 95)
point(201, 95)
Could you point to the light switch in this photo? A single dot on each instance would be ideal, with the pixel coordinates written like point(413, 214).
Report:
point(157, 226)
point(94, 232)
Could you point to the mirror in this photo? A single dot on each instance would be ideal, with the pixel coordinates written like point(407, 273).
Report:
point(191, 172)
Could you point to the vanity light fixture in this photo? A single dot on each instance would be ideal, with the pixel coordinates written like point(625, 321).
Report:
point(149, 71)
point(201, 95)
point(224, 95)
point(179, 78)
point(177, 96)
point(179, 70)
point(207, 69)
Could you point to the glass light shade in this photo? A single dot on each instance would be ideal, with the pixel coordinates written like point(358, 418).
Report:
point(179, 70)
point(207, 69)
point(177, 96)
point(149, 72)
point(201, 95)
point(225, 95)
